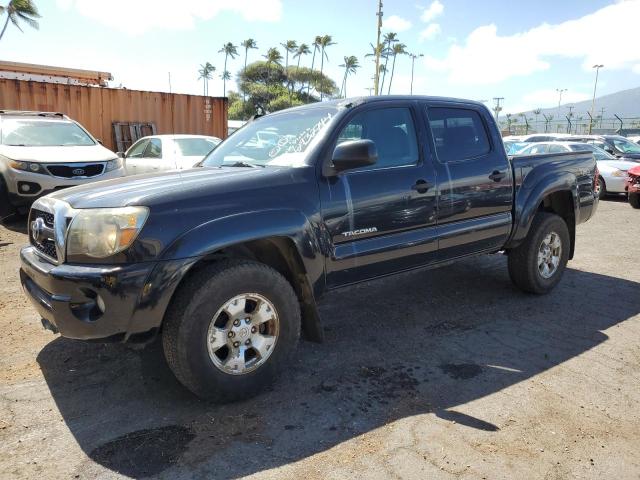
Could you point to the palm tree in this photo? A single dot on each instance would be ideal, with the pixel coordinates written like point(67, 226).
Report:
point(20, 10)
point(389, 38)
point(273, 56)
point(205, 74)
point(247, 44)
point(316, 47)
point(397, 49)
point(303, 49)
point(350, 66)
point(290, 46)
point(326, 41)
point(537, 112)
point(374, 53)
point(229, 50)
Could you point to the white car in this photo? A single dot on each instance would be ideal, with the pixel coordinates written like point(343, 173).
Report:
point(613, 171)
point(159, 153)
point(635, 138)
point(41, 152)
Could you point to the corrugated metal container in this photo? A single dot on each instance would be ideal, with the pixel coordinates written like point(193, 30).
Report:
point(97, 108)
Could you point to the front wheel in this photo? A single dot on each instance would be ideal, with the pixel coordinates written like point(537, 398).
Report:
point(601, 188)
point(634, 200)
point(231, 329)
point(537, 265)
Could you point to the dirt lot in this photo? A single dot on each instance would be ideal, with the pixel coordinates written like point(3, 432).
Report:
point(450, 373)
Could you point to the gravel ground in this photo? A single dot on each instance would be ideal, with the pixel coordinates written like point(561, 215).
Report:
point(449, 373)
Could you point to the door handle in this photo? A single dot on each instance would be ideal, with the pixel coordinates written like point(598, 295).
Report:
point(421, 186)
point(497, 176)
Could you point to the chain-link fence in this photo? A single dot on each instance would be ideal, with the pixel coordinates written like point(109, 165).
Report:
point(579, 125)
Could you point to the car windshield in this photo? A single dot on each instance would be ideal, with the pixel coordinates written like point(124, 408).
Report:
point(42, 133)
point(514, 147)
point(195, 147)
point(280, 140)
point(625, 146)
point(598, 153)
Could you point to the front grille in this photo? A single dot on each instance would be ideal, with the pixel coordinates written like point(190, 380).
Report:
point(46, 216)
point(73, 171)
point(47, 247)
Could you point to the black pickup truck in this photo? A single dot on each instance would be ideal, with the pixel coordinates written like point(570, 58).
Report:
point(226, 261)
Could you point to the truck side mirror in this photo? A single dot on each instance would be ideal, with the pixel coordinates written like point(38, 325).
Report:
point(354, 154)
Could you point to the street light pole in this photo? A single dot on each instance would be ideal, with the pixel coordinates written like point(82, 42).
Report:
point(377, 52)
point(560, 91)
point(413, 61)
point(497, 108)
point(593, 101)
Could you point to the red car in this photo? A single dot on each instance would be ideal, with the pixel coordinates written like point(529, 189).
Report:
point(633, 186)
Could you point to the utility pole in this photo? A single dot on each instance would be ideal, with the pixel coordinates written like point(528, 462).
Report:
point(377, 81)
point(595, 86)
point(369, 89)
point(497, 108)
point(560, 91)
point(413, 61)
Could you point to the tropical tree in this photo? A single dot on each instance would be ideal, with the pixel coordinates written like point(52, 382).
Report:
point(350, 66)
point(389, 39)
point(273, 56)
point(229, 50)
point(316, 47)
point(325, 42)
point(248, 44)
point(205, 74)
point(397, 49)
point(290, 46)
point(374, 52)
point(303, 49)
point(20, 11)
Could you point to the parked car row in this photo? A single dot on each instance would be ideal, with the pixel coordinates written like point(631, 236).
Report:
point(616, 157)
point(41, 152)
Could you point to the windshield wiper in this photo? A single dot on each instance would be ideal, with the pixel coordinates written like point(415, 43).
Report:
point(240, 163)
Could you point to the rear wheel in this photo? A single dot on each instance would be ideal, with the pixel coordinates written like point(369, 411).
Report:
point(634, 200)
point(601, 188)
point(537, 265)
point(231, 329)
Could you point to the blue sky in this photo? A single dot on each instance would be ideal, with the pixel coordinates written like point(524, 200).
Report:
point(522, 51)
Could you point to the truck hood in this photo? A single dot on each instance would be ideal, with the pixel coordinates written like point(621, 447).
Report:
point(171, 189)
point(60, 154)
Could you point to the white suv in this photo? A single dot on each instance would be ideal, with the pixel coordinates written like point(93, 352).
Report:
point(41, 152)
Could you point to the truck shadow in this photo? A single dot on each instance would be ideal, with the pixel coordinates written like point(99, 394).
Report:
point(415, 344)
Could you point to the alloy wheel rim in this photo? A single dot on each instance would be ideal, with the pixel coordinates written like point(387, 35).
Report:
point(549, 255)
point(243, 333)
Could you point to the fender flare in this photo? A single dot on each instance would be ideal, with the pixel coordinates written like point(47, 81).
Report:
point(529, 197)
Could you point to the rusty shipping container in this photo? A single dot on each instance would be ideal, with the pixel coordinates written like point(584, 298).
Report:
point(102, 111)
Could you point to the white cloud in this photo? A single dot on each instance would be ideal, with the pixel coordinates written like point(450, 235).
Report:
point(139, 16)
point(546, 98)
point(432, 30)
point(636, 69)
point(395, 23)
point(487, 57)
point(435, 9)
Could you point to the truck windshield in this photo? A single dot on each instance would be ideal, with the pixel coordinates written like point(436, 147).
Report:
point(626, 146)
point(275, 140)
point(42, 133)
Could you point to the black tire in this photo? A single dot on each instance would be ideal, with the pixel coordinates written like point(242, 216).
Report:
point(602, 188)
point(523, 260)
point(6, 209)
point(634, 200)
point(187, 321)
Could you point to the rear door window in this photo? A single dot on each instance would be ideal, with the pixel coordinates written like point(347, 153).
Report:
point(458, 133)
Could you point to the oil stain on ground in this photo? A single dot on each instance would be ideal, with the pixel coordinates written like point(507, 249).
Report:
point(144, 453)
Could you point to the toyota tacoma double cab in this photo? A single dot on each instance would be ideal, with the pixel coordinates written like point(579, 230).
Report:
point(226, 262)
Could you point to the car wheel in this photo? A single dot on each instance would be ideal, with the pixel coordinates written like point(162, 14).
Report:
point(634, 200)
point(601, 188)
point(6, 209)
point(537, 265)
point(231, 329)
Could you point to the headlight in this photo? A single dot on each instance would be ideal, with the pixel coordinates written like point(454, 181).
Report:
point(113, 164)
point(619, 173)
point(103, 232)
point(26, 166)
